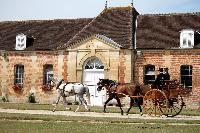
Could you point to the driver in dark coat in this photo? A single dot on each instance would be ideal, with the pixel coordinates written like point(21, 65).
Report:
point(160, 78)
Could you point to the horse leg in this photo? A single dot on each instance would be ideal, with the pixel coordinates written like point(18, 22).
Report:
point(65, 103)
point(111, 96)
point(131, 105)
point(83, 101)
point(58, 98)
point(119, 103)
point(77, 108)
point(79, 102)
point(139, 102)
point(85, 104)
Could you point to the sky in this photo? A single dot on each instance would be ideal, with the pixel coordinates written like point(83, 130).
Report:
point(19, 10)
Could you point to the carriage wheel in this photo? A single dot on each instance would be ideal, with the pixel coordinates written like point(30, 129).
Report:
point(155, 103)
point(175, 106)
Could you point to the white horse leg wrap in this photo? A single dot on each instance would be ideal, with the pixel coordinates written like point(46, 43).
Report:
point(77, 108)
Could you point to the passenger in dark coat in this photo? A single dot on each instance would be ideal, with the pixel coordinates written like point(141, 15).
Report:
point(166, 74)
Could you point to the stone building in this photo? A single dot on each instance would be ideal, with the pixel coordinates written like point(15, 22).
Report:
point(118, 44)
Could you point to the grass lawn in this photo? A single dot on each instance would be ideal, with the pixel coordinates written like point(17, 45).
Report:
point(83, 127)
point(48, 123)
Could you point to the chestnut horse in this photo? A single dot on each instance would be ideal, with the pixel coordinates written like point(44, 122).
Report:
point(115, 90)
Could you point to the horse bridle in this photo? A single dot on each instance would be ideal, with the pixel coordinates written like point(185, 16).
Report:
point(107, 86)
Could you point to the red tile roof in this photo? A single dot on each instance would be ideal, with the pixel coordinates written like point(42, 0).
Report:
point(48, 34)
point(163, 30)
point(160, 31)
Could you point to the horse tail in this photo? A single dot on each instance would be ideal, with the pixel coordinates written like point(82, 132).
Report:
point(87, 94)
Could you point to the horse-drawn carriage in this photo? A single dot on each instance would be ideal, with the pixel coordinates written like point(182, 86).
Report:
point(166, 100)
point(156, 101)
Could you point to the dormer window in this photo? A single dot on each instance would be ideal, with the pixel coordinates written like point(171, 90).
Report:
point(187, 38)
point(20, 42)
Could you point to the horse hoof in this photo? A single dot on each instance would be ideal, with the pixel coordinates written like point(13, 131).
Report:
point(141, 114)
point(127, 114)
point(53, 110)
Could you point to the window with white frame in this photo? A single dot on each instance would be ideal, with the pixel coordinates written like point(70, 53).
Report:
point(19, 74)
point(21, 41)
point(48, 74)
point(187, 38)
point(149, 74)
point(186, 76)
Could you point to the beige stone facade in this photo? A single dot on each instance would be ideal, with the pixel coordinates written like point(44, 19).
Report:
point(68, 65)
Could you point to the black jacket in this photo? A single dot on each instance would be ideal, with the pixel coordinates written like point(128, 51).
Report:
point(159, 79)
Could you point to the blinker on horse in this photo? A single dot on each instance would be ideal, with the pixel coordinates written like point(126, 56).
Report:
point(117, 91)
point(68, 89)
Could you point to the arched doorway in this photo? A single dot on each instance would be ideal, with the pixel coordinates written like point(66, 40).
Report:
point(93, 70)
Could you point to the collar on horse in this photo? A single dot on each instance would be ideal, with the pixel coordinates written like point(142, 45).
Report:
point(57, 87)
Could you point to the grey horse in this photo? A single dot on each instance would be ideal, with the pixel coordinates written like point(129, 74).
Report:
point(68, 89)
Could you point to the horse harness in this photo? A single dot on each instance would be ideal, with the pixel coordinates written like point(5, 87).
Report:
point(57, 87)
point(63, 89)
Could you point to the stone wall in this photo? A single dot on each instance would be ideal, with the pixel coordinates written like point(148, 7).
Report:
point(33, 73)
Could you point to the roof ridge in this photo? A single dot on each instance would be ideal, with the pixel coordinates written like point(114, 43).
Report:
point(168, 14)
point(119, 7)
point(50, 20)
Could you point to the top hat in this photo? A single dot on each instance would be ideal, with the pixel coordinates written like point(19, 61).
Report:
point(165, 68)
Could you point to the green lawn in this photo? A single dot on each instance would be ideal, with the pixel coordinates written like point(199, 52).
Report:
point(81, 127)
point(24, 123)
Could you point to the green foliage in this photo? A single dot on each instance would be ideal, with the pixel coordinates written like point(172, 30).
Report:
point(31, 98)
point(4, 98)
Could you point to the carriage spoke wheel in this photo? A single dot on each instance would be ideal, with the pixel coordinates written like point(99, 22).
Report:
point(155, 103)
point(175, 106)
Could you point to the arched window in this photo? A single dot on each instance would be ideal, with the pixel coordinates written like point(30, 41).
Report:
point(94, 63)
point(19, 74)
point(186, 76)
point(149, 74)
point(48, 73)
